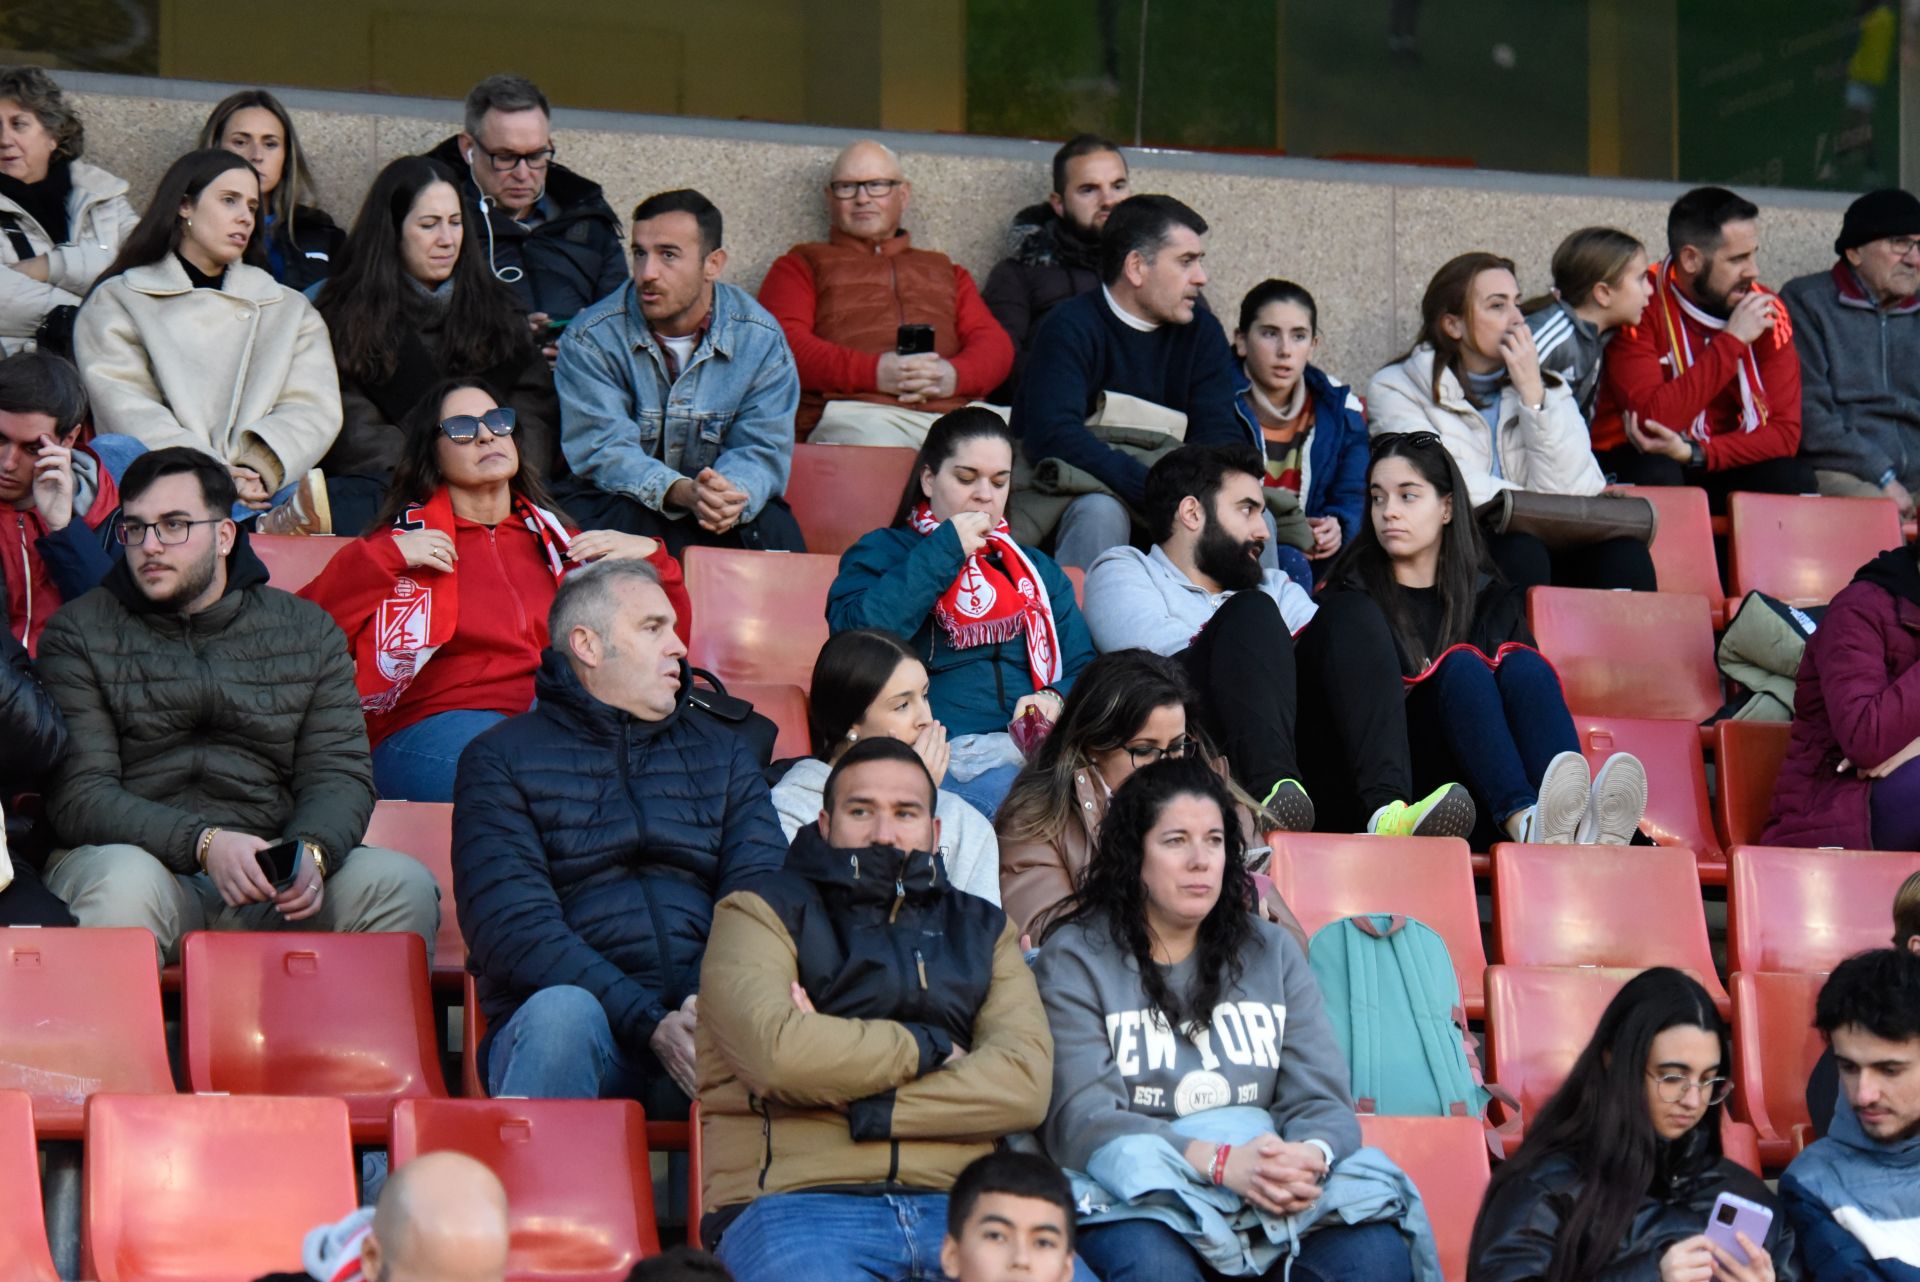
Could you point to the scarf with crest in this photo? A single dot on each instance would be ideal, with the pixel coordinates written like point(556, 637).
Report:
point(986, 605)
point(1666, 312)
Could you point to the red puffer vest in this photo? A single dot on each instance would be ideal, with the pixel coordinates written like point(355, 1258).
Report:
point(863, 294)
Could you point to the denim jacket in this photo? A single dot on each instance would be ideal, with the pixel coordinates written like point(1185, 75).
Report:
point(731, 409)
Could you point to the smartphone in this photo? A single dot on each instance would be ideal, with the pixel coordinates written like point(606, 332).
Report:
point(913, 340)
point(1734, 1214)
point(281, 863)
point(557, 325)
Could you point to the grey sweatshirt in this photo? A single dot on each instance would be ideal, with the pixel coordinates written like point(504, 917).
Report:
point(1859, 378)
point(1143, 599)
point(1117, 1069)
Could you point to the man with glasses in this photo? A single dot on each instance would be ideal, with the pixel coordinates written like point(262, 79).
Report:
point(1293, 693)
point(549, 233)
point(1857, 328)
point(888, 337)
point(216, 738)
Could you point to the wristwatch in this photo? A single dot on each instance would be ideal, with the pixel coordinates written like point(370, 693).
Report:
point(318, 856)
point(1696, 454)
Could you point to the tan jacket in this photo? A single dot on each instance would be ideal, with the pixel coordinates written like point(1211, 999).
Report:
point(775, 1082)
point(99, 217)
point(244, 372)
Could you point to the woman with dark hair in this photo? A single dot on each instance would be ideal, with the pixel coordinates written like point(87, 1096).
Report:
point(1187, 1028)
point(461, 570)
point(1483, 705)
point(61, 219)
point(302, 241)
point(411, 302)
point(166, 364)
point(868, 684)
point(997, 622)
point(1310, 428)
point(1474, 379)
point(1621, 1169)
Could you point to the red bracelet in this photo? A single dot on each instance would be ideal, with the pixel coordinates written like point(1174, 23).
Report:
point(1220, 1152)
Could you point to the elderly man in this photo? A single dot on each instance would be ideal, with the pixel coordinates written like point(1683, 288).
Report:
point(441, 1218)
point(887, 337)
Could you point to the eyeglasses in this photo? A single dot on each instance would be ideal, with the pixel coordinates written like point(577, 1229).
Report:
point(1145, 754)
point(1902, 245)
point(1411, 440)
point(874, 187)
point(172, 531)
point(1675, 1087)
point(505, 162)
point(462, 428)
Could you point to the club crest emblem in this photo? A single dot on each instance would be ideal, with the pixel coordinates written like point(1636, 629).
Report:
point(975, 596)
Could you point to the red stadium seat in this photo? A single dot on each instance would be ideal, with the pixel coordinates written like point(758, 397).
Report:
point(208, 1188)
point(424, 829)
point(473, 1028)
point(1446, 1157)
point(1627, 907)
point(1809, 910)
point(346, 1015)
point(1683, 557)
point(759, 616)
point(1677, 809)
point(23, 1233)
point(1746, 760)
point(1539, 1019)
point(1803, 549)
point(1327, 876)
point(1629, 654)
point(839, 493)
point(295, 560)
point(1078, 577)
point(784, 705)
point(577, 1174)
point(1775, 1047)
point(79, 1013)
point(1740, 1143)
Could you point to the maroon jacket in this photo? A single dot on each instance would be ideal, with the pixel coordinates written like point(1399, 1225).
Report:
point(1858, 699)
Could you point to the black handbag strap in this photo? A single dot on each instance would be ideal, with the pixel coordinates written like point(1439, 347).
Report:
point(22, 247)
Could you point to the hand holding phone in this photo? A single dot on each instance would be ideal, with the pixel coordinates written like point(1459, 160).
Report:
point(913, 340)
point(1733, 1215)
point(281, 864)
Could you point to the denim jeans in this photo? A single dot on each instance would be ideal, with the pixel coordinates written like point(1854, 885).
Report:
point(559, 1045)
point(1148, 1251)
point(417, 763)
point(985, 791)
point(116, 452)
point(1494, 730)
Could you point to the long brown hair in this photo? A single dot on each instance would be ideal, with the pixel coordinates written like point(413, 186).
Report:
point(157, 234)
point(1450, 293)
point(1588, 257)
point(296, 185)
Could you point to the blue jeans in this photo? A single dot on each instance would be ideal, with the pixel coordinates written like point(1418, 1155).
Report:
point(417, 763)
point(116, 452)
point(559, 1045)
point(842, 1237)
point(985, 791)
point(1149, 1251)
point(1495, 730)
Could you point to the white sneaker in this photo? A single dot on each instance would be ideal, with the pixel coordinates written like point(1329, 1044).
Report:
point(1615, 804)
point(1555, 817)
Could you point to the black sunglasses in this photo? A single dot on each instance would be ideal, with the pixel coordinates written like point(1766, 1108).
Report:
point(462, 428)
point(1410, 440)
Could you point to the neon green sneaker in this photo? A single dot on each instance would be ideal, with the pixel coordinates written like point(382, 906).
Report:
point(1447, 811)
point(1287, 808)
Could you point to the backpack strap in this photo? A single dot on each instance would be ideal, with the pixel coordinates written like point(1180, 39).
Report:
point(1363, 1002)
point(1422, 988)
point(17, 238)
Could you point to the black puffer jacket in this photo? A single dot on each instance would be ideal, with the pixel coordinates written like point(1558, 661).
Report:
point(571, 261)
point(589, 848)
point(32, 733)
point(1046, 264)
point(307, 256)
point(1522, 1221)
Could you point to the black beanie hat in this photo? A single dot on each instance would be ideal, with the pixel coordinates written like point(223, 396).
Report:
point(1888, 212)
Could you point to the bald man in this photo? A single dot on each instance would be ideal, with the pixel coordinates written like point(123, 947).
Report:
point(887, 337)
point(441, 1218)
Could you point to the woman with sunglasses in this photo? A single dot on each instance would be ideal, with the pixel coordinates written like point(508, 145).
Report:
point(1620, 1170)
point(411, 302)
point(445, 602)
point(1483, 706)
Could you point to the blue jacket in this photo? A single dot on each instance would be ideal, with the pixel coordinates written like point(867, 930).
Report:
point(626, 428)
point(891, 580)
point(590, 848)
point(1847, 1195)
point(1334, 471)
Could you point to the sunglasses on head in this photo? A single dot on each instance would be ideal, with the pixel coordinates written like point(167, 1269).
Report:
point(1407, 440)
point(462, 428)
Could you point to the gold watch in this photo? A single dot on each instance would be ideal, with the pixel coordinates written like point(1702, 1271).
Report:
point(319, 858)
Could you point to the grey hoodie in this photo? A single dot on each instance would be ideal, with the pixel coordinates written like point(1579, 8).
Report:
point(1119, 1071)
point(1143, 599)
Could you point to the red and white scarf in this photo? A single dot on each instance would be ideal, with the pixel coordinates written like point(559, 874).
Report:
point(983, 606)
point(420, 611)
point(1671, 305)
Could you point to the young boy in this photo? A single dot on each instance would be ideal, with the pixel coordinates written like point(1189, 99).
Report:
point(1009, 1219)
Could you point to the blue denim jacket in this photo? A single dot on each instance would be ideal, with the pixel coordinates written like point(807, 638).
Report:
point(626, 429)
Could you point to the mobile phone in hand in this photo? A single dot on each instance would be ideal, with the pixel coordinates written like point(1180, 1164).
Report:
point(281, 863)
point(913, 340)
point(1733, 1214)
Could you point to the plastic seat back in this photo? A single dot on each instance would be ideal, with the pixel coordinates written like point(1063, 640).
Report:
point(784, 705)
point(1809, 910)
point(1539, 1019)
point(295, 560)
point(840, 493)
point(79, 1013)
point(1327, 876)
point(1746, 758)
point(759, 616)
point(1607, 906)
point(1677, 810)
point(1682, 549)
point(1802, 548)
point(1629, 654)
point(577, 1174)
point(1446, 1157)
point(1775, 1047)
point(342, 1015)
point(424, 829)
point(23, 1233)
point(209, 1188)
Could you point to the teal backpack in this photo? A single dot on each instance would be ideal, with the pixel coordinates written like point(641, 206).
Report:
point(1394, 1002)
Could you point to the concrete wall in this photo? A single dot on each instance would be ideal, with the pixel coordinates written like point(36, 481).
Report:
point(1363, 238)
